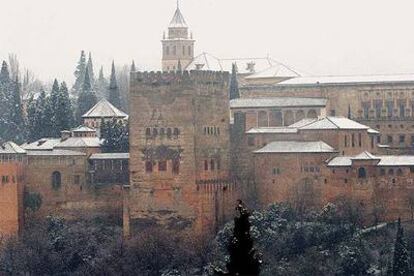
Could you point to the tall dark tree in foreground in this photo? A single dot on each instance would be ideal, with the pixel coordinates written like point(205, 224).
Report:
point(80, 73)
point(244, 259)
point(234, 84)
point(115, 135)
point(86, 99)
point(17, 123)
point(38, 117)
point(90, 70)
point(401, 262)
point(114, 97)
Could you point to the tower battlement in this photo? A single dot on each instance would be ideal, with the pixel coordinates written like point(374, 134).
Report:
point(185, 78)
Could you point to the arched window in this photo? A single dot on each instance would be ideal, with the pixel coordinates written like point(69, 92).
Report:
point(176, 132)
point(167, 50)
point(300, 115)
point(262, 119)
point(399, 172)
point(212, 164)
point(289, 118)
point(162, 131)
point(56, 180)
point(362, 173)
point(391, 172)
point(148, 132)
point(276, 118)
point(169, 132)
point(312, 114)
point(154, 132)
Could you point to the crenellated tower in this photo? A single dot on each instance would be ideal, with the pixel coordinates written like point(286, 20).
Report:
point(179, 151)
point(177, 45)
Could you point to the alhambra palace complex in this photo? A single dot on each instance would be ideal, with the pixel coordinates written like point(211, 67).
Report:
point(194, 151)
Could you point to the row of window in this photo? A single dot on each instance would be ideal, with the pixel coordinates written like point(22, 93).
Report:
point(110, 165)
point(211, 130)
point(162, 166)
point(391, 126)
point(353, 141)
point(212, 165)
point(174, 50)
point(390, 139)
point(57, 180)
point(379, 110)
point(169, 132)
point(7, 179)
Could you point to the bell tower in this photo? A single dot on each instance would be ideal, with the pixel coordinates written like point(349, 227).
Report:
point(177, 45)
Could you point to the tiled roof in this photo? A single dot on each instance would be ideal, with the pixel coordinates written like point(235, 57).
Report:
point(272, 130)
point(277, 102)
point(334, 123)
point(178, 20)
point(80, 142)
point(55, 153)
point(296, 147)
point(42, 144)
point(348, 80)
point(384, 160)
point(104, 109)
point(262, 66)
point(83, 128)
point(11, 148)
point(99, 156)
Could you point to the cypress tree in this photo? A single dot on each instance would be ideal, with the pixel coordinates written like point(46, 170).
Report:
point(64, 111)
point(4, 74)
point(401, 263)
point(114, 97)
point(133, 68)
point(17, 125)
point(234, 84)
point(244, 259)
point(38, 117)
point(90, 69)
point(102, 85)
point(80, 72)
point(87, 98)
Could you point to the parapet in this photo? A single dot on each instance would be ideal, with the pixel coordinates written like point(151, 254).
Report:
point(193, 77)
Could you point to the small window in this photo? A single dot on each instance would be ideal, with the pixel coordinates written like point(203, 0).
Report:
point(77, 179)
point(148, 132)
point(399, 172)
point(382, 172)
point(353, 140)
point(155, 132)
point(402, 139)
point(169, 132)
point(148, 166)
point(176, 132)
point(205, 165)
point(362, 173)
point(391, 172)
point(162, 166)
point(56, 180)
point(250, 141)
point(389, 139)
point(162, 131)
point(176, 166)
point(212, 164)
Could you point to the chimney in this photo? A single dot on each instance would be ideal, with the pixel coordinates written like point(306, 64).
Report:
point(64, 135)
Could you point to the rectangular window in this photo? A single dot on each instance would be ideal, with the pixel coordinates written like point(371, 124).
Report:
point(218, 164)
point(162, 166)
point(205, 165)
point(148, 166)
point(176, 166)
point(353, 140)
point(402, 139)
point(346, 140)
point(390, 108)
point(212, 164)
point(378, 108)
point(77, 179)
point(250, 141)
point(389, 139)
point(359, 140)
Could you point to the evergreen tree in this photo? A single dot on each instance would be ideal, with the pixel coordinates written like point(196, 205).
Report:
point(90, 69)
point(115, 135)
point(86, 99)
point(4, 74)
point(244, 259)
point(17, 124)
point(114, 97)
point(102, 85)
point(51, 110)
point(133, 68)
point(63, 111)
point(80, 72)
point(39, 117)
point(401, 263)
point(234, 85)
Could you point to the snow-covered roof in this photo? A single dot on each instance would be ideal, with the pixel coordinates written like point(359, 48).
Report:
point(104, 109)
point(296, 147)
point(178, 20)
point(83, 128)
point(277, 102)
point(262, 66)
point(373, 131)
point(103, 156)
point(11, 148)
point(348, 80)
point(55, 153)
point(384, 160)
point(333, 123)
point(41, 144)
point(80, 142)
point(271, 130)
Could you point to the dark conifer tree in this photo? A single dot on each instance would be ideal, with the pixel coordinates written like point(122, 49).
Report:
point(114, 97)
point(17, 124)
point(90, 69)
point(115, 135)
point(244, 260)
point(234, 84)
point(133, 68)
point(86, 99)
point(4, 74)
point(80, 73)
point(38, 117)
point(102, 85)
point(64, 111)
point(401, 262)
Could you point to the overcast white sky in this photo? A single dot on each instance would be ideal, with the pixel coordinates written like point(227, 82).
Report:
point(313, 36)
